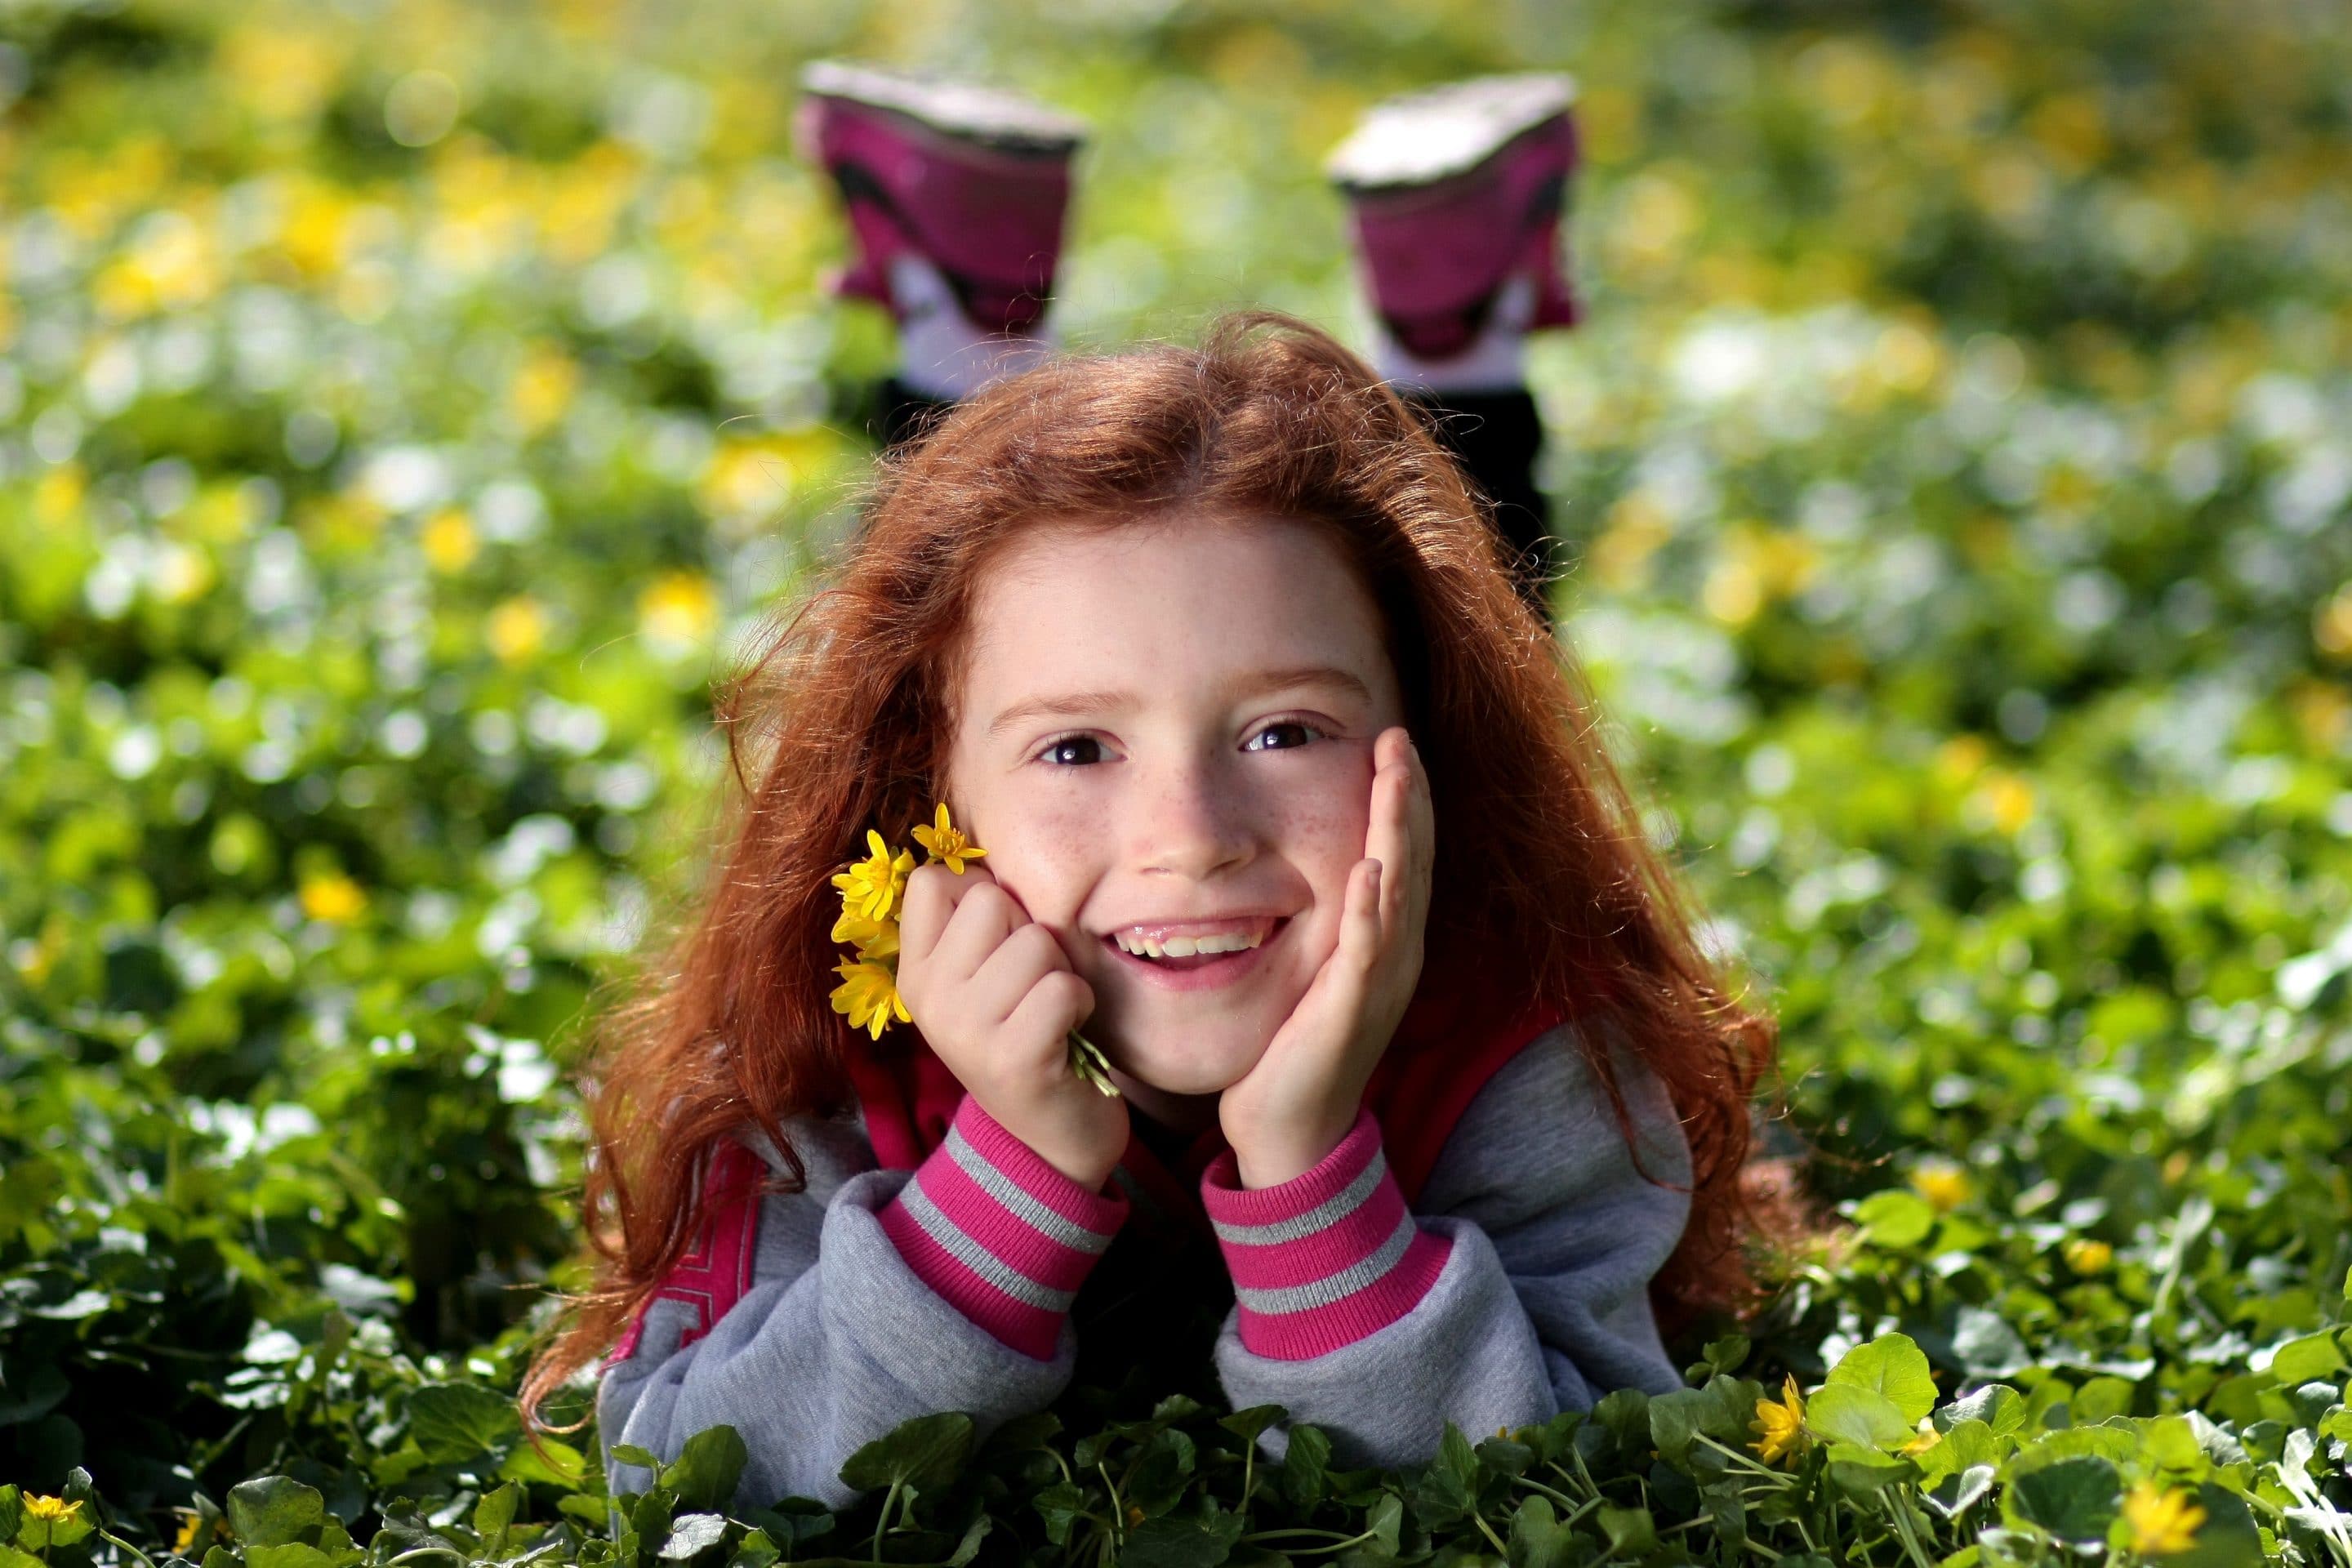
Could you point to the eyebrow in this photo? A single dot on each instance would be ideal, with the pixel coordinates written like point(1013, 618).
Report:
point(1257, 684)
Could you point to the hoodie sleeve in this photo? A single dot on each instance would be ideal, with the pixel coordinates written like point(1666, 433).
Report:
point(870, 1298)
point(1519, 1288)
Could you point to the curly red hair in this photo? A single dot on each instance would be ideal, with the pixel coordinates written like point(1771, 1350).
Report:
point(841, 723)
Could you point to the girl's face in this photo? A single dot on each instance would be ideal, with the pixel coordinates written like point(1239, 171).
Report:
point(1165, 730)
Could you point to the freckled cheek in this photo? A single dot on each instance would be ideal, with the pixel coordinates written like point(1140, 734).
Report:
point(1049, 860)
point(1321, 831)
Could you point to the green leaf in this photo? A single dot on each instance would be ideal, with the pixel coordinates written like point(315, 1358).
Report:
point(1999, 1406)
point(707, 1469)
point(496, 1510)
point(12, 1509)
point(1306, 1465)
point(1247, 1424)
point(1895, 1219)
point(1986, 1345)
point(2307, 1360)
point(1892, 1365)
point(1674, 1422)
point(454, 1422)
point(2075, 1500)
point(1025, 1434)
point(1536, 1540)
point(969, 1547)
point(274, 1510)
point(1726, 1355)
point(1059, 1505)
point(1171, 1541)
point(1385, 1521)
point(691, 1533)
point(1862, 1472)
point(755, 1551)
point(558, 1465)
point(1849, 1413)
point(928, 1451)
point(630, 1454)
point(293, 1554)
point(1632, 1531)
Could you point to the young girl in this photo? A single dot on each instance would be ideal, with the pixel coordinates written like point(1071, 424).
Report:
point(1295, 807)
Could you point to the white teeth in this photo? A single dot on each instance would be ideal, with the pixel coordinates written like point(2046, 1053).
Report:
point(1185, 946)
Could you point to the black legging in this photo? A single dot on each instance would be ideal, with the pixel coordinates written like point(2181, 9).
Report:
point(1494, 436)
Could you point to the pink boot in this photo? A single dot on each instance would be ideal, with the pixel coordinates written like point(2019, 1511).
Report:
point(1457, 193)
point(944, 179)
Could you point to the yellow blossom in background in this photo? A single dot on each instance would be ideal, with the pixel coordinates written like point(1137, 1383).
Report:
point(517, 629)
point(2002, 800)
point(52, 1510)
point(1961, 758)
point(543, 389)
point(179, 572)
point(58, 499)
point(449, 541)
point(2084, 1256)
point(2162, 1522)
point(678, 612)
point(192, 1528)
point(869, 993)
point(944, 841)
point(872, 888)
point(1945, 1186)
point(1781, 1424)
point(2331, 625)
point(1928, 1438)
point(332, 897)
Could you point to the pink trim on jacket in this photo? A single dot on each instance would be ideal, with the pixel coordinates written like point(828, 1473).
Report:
point(999, 1232)
point(713, 1274)
point(1326, 1258)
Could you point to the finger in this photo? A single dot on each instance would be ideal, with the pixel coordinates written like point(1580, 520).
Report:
point(1005, 976)
point(1362, 925)
point(930, 901)
point(1388, 835)
point(1421, 818)
point(984, 917)
point(1056, 1003)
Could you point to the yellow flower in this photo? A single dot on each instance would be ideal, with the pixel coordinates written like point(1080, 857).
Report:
point(52, 1510)
point(871, 888)
point(516, 629)
point(191, 1529)
point(2084, 1256)
point(1945, 1186)
point(872, 939)
point(2161, 1523)
point(333, 897)
point(449, 542)
point(1928, 1439)
point(942, 841)
point(1781, 1425)
point(869, 993)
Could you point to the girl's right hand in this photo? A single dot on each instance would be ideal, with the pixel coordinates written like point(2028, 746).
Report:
point(996, 998)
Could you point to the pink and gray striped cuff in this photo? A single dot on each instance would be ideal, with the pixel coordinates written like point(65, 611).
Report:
point(1327, 1257)
point(1005, 1237)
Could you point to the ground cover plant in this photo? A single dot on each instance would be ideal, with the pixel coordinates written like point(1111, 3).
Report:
point(403, 407)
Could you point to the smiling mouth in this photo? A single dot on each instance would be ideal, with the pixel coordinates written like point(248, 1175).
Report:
point(1170, 953)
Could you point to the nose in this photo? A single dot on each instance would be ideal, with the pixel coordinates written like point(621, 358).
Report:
point(1194, 823)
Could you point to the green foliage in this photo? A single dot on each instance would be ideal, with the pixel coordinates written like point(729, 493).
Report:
point(1954, 471)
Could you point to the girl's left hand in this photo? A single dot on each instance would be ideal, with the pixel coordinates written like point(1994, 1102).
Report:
point(1290, 1110)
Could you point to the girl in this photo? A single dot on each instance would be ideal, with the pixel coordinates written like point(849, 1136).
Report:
point(1429, 1101)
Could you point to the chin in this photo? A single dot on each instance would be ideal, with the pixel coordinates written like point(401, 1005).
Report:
point(1187, 1067)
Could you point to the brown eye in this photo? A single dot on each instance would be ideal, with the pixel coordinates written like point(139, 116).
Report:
point(1282, 727)
point(1086, 748)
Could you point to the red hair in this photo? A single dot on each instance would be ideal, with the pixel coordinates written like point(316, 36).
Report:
point(1544, 879)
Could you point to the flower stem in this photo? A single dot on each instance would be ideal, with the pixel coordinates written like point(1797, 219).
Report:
point(1087, 1061)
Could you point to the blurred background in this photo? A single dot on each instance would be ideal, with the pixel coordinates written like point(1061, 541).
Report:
point(405, 406)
